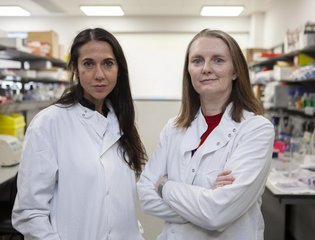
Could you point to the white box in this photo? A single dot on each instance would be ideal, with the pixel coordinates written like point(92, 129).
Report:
point(282, 73)
point(16, 43)
point(10, 64)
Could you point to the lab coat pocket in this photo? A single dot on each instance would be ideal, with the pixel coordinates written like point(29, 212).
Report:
point(206, 179)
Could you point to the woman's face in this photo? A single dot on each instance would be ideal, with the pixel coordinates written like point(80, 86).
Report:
point(98, 70)
point(211, 69)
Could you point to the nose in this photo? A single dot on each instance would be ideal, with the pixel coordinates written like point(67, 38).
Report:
point(206, 68)
point(99, 74)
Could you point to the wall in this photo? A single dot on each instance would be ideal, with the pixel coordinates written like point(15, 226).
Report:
point(150, 121)
point(156, 62)
point(284, 15)
point(67, 27)
point(154, 47)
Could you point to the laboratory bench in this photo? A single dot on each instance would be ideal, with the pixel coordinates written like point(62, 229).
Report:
point(8, 172)
point(7, 195)
point(280, 203)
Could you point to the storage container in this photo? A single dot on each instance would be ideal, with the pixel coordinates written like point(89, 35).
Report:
point(12, 125)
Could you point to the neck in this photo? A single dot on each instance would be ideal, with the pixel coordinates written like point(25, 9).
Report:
point(211, 110)
point(213, 106)
point(99, 108)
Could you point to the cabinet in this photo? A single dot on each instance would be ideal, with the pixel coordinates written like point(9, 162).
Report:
point(29, 82)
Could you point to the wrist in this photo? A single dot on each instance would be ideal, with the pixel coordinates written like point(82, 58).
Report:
point(160, 188)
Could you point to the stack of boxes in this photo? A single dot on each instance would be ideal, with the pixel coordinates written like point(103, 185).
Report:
point(44, 43)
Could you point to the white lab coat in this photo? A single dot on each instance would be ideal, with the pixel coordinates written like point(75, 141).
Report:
point(190, 208)
point(73, 183)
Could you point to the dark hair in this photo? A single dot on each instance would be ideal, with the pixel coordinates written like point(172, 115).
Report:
point(120, 97)
point(242, 94)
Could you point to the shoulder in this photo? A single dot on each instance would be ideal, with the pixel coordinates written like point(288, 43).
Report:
point(170, 130)
point(253, 122)
point(170, 125)
point(48, 116)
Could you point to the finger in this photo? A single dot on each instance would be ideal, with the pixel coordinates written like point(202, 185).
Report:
point(224, 173)
point(225, 178)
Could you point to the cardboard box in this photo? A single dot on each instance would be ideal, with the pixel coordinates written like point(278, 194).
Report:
point(49, 37)
point(251, 54)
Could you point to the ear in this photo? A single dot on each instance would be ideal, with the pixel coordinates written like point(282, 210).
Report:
point(234, 77)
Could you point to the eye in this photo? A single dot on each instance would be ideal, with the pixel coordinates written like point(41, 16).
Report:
point(196, 61)
point(88, 64)
point(218, 60)
point(109, 63)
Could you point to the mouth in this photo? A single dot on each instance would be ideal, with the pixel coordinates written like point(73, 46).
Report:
point(208, 80)
point(99, 87)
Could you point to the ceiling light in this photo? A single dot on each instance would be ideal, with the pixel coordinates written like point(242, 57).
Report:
point(13, 11)
point(221, 11)
point(102, 10)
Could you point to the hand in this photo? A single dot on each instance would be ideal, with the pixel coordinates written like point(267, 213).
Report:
point(223, 178)
point(161, 180)
point(159, 185)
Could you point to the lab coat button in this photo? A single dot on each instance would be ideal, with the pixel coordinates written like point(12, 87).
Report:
point(234, 130)
point(218, 143)
point(229, 135)
point(83, 114)
point(193, 170)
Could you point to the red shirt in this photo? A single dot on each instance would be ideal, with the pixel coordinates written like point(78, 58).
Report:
point(212, 122)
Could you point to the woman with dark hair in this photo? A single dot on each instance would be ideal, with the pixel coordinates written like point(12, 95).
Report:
point(82, 155)
point(220, 127)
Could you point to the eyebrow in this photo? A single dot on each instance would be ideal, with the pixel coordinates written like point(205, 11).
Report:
point(196, 56)
point(107, 58)
point(214, 56)
point(219, 55)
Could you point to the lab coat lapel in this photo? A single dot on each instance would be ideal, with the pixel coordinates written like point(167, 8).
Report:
point(93, 120)
point(221, 135)
point(107, 128)
point(218, 138)
point(112, 134)
point(192, 136)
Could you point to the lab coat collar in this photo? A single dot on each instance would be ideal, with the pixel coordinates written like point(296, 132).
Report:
point(93, 119)
point(88, 104)
point(102, 125)
point(217, 139)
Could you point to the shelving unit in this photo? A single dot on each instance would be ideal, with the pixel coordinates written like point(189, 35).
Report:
point(304, 85)
point(279, 209)
point(13, 54)
point(23, 57)
point(24, 106)
point(30, 79)
point(284, 57)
